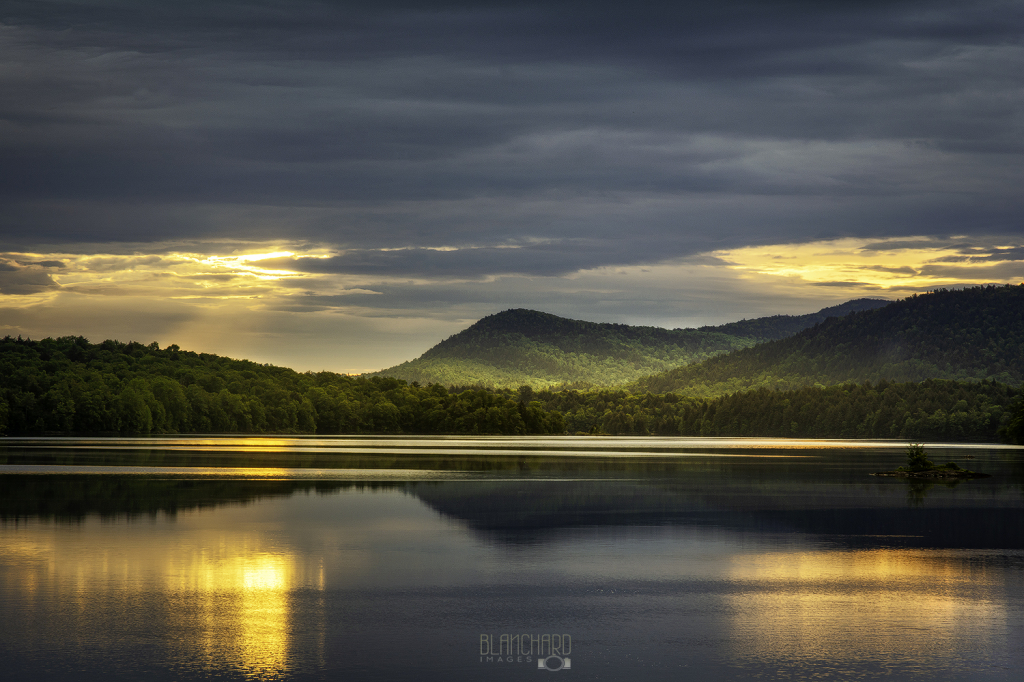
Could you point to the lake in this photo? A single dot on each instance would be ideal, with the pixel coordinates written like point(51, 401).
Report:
point(505, 558)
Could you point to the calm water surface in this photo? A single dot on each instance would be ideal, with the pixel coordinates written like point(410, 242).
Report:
point(431, 559)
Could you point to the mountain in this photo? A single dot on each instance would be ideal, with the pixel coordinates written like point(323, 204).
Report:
point(972, 334)
point(525, 347)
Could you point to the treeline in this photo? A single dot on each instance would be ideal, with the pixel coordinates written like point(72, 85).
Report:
point(969, 335)
point(930, 410)
point(68, 385)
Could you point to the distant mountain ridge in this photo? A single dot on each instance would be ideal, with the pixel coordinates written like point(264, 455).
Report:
point(971, 334)
point(782, 326)
point(526, 347)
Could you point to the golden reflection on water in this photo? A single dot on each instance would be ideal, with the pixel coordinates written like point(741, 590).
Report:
point(614, 445)
point(227, 596)
point(240, 611)
point(883, 605)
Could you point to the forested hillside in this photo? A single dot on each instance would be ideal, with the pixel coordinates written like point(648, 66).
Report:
point(930, 410)
point(526, 347)
point(68, 385)
point(940, 366)
point(974, 334)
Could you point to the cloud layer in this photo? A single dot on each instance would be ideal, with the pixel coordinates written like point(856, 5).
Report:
point(414, 153)
point(312, 310)
point(467, 124)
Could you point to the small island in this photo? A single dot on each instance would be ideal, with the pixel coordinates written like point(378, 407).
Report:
point(919, 466)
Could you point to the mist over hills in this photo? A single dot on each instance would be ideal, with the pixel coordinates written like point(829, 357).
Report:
point(526, 347)
point(967, 335)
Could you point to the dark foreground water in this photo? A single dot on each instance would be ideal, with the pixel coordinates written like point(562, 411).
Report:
point(481, 559)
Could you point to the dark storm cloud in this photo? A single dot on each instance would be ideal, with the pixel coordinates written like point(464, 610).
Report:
point(43, 263)
point(1011, 254)
point(585, 133)
point(968, 249)
point(997, 272)
point(552, 259)
point(22, 281)
point(846, 285)
point(905, 270)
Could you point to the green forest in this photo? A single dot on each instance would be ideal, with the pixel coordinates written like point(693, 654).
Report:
point(68, 385)
point(525, 347)
point(969, 335)
point(929, 410)
point(947, 365)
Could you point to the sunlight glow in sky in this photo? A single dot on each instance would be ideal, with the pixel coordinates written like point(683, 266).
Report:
point(249, 302)
point(895, 265)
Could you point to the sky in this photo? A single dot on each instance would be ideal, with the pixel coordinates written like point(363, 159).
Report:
point(341, 185)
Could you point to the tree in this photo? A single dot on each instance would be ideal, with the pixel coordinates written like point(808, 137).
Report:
point(1014, 431)
point(917, 460)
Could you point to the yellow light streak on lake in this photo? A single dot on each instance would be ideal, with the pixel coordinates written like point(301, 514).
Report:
point(229, 594)
point(242, 603)
point(853, 606)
